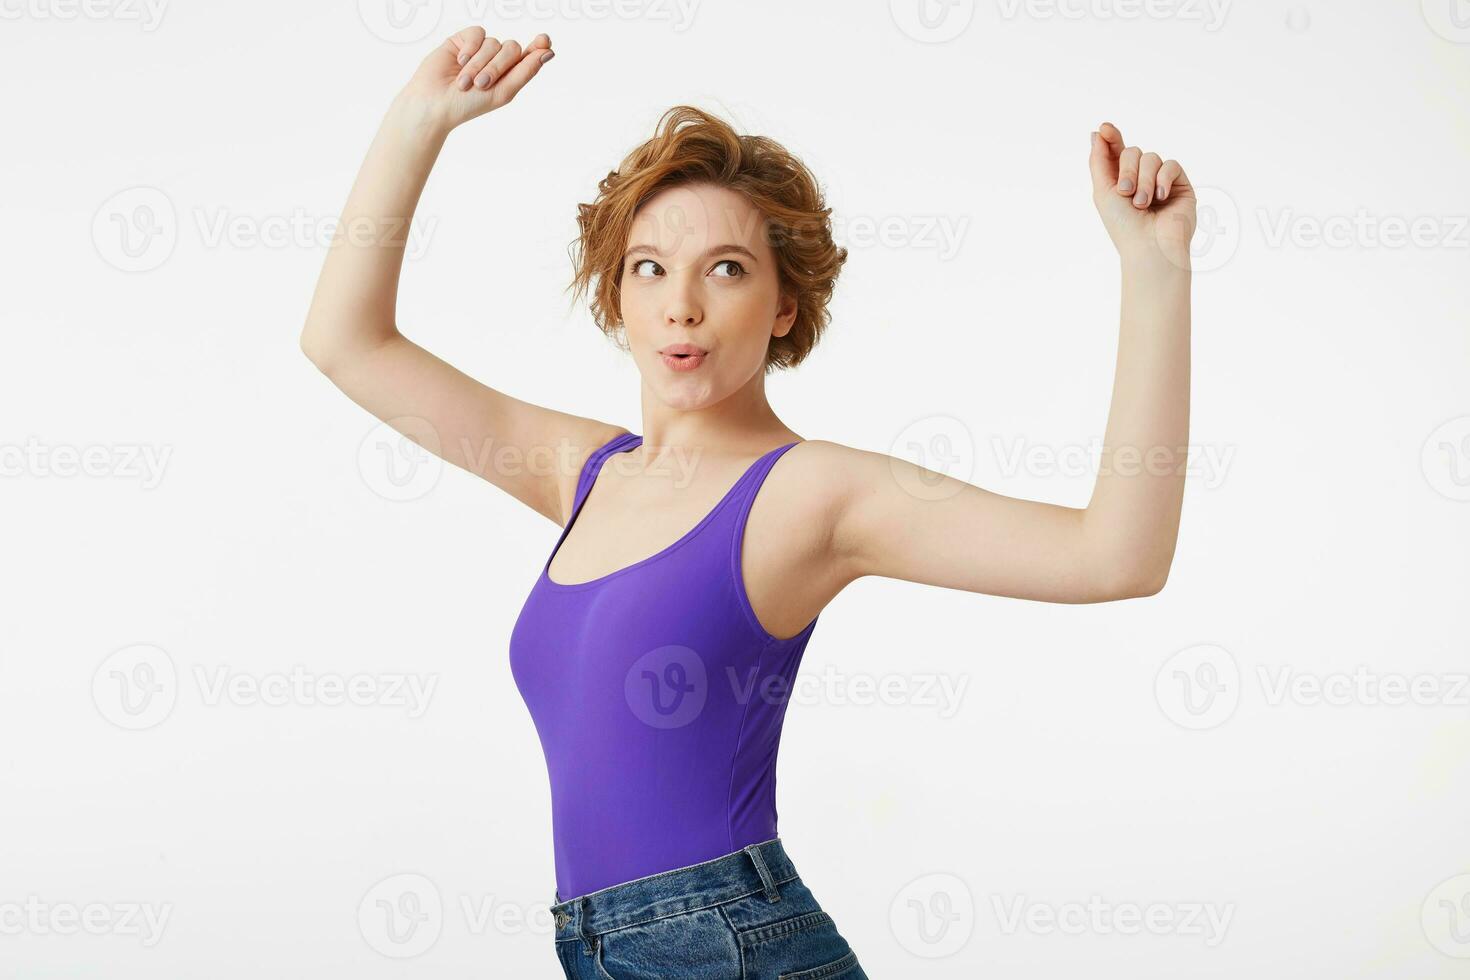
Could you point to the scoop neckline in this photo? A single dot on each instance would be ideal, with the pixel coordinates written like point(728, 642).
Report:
point(684, 539)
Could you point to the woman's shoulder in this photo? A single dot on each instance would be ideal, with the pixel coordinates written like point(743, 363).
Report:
point(819, 476)
point(832, 462)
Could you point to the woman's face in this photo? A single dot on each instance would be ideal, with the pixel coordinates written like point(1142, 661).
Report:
point(699, 272)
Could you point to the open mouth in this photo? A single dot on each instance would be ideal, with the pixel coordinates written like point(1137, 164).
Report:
point(683, 357)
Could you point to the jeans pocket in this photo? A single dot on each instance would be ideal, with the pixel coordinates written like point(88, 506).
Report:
point(785, 927)
point(843, 968)
point(692, 945)
point(800, 947)
point(597, 963)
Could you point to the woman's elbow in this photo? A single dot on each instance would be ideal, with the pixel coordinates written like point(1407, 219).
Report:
point(1128, 582)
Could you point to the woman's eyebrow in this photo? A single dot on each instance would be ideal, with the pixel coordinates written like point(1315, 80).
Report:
point(650, 250)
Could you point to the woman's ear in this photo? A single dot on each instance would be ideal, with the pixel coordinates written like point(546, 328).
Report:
point(785, 315)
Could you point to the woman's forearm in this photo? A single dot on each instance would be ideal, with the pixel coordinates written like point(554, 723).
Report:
point(1133, 517)
point(354, 304)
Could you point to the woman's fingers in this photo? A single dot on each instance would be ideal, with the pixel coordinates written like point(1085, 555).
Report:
point(1102, 161)
point(1168, 173)
point(523, 71)
point(483, 59)
point(1098, 163)
point(1112, 137)
point(463, 44)
point(489, 48)
point(506, 58)
point(1128, 170)
point(1148, 171)
point(1172, 181)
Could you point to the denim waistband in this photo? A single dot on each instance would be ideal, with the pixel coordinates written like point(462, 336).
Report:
point(757, 869)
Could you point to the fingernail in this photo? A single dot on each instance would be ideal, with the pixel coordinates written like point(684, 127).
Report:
point(463, 56)
point(547, 56)
point(1092, 141)
point(482, 79)
point(1125, 185)
point(1140, 198)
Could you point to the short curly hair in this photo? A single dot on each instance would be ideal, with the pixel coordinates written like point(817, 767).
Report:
point(691, 146)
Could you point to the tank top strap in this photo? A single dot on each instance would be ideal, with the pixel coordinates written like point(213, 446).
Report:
point(743, 497)
point(594, 462)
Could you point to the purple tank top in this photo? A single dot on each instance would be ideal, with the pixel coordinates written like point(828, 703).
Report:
point(658, 698)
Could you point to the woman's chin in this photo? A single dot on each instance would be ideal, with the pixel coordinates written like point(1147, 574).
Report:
point(685, 394)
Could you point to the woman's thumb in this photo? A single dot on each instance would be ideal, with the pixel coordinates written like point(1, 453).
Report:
point(1100, 162)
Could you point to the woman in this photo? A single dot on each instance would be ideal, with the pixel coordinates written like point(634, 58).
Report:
point(658, 641)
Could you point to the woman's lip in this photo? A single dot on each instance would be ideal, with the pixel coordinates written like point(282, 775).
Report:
point(686, 363)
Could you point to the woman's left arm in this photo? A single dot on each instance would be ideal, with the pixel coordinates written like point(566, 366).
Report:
point(898, 520)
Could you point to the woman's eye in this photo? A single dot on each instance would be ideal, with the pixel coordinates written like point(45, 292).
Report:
point(737, 265)
point(642, 262)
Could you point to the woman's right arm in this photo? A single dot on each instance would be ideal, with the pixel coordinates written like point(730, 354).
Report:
point(351, 332)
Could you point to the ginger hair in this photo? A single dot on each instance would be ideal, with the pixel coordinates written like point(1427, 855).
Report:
point(691, 146)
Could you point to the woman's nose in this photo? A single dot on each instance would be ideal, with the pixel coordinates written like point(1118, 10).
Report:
point(684, 307)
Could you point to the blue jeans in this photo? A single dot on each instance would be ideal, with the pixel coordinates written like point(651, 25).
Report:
point(744, 916)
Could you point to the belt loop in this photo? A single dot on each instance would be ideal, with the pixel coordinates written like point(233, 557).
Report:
point(768, 882)
point(582, 925)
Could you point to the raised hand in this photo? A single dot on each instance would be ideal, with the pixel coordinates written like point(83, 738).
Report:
point(1147, 204)
point(471, 74)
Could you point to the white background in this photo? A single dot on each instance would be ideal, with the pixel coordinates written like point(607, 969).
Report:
point(1324, 528)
